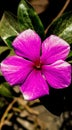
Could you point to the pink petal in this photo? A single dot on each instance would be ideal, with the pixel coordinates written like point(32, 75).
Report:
point(27, 45)
point(53, 49)
point(15, 69)
point(58, 74)
point(35, 86)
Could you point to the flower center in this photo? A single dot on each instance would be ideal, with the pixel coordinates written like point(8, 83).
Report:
point(37, 64)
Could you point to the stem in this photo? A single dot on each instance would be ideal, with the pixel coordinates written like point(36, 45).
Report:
point(30, 110)
point(6, 112)
point(59, 14)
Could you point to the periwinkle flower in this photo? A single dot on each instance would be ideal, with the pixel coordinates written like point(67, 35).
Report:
point(37, 66)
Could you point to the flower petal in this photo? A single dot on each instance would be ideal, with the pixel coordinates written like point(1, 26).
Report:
point(15, 69)
point(35, 86)
point(53, 49)
point(58, 74)
point(27, 45)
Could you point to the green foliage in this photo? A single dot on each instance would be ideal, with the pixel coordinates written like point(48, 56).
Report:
point(28, 18)
point(11, 26)
point(62, 27)
point(8, 28)
point(6, 90)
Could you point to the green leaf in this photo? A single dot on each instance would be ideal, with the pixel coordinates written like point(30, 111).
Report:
point(62, 27)
point(2, 104)
point(5, 90)
point(70, 54)
point(5, 51)
point(8, 28)
point(70, 57)
point(28, 18)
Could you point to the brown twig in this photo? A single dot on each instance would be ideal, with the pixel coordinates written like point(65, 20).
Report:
point(16, 109)
point(30, 110)
point(59, 14)
point(7, 121)
point(6, 112)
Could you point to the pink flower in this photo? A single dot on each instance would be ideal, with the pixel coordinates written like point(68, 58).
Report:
point(37, 65)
